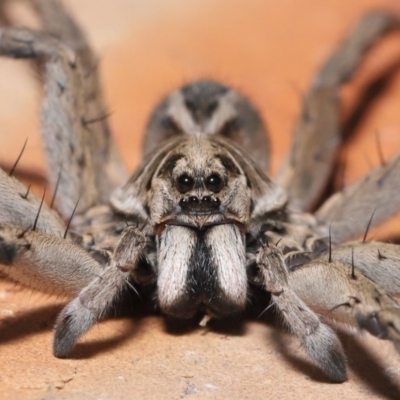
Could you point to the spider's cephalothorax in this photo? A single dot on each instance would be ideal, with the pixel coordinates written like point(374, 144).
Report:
point(200, 192)
point(207, 107)
point(199, 218)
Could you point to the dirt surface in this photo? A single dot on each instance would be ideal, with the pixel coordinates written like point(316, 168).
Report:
point(269, 50)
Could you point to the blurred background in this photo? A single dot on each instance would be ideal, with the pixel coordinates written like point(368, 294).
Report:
point(270, 50)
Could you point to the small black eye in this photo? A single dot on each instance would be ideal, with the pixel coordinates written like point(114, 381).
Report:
point(184, 183)
point(214, 183)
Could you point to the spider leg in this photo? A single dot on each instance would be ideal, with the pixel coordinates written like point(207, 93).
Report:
point(344, 295)
point(305, 171)
point(35, 247)
point(129, 251)
point(318, 340)
point(71, 150)
point(25, 256)
point(20, 207)
point(97, 299)
point(57, 22)
point(376, 193)
point(93, 302)
point(376, 260)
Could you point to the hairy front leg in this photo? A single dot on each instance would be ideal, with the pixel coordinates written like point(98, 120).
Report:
point(96, 300)
point(378, 261)
point(344, 295)
point(318, 340)
point(45, 262)
point(20, 207)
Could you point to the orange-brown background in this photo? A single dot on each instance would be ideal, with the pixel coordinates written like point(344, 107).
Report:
point(269, 49)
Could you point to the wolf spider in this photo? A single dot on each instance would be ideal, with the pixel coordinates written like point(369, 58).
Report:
point(199, 222)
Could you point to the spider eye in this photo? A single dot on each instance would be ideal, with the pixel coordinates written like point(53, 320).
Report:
point(214, 183)
point(184, 183)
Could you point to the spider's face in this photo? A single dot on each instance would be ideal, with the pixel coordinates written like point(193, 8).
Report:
point(200, 203)
point(199, 185)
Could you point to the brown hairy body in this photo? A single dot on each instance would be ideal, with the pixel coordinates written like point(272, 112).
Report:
point(200, 221)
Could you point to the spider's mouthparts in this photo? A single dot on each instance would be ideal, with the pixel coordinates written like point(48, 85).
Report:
point(200, 223)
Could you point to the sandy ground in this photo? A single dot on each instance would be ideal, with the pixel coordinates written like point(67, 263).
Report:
point(270, 50)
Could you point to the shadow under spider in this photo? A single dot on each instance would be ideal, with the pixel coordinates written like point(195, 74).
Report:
point(235, 325)
point(361, 361)
point(42, 319)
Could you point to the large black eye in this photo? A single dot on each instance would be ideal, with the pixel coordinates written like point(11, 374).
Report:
point(184, 183)
point(214, 183)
